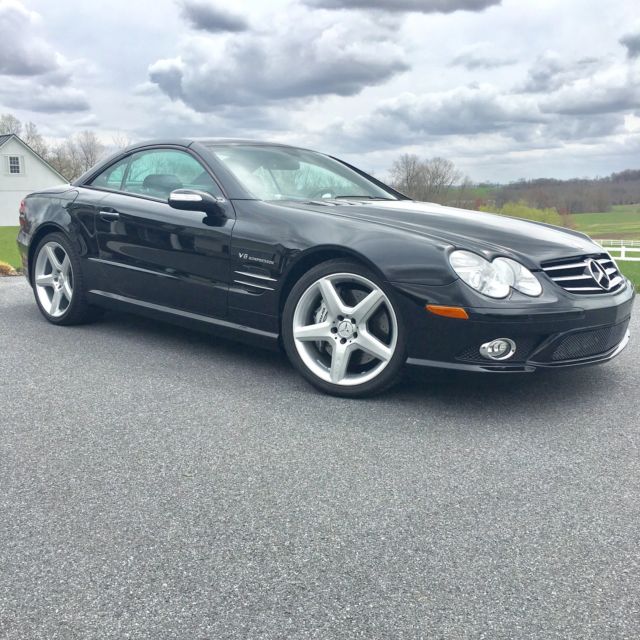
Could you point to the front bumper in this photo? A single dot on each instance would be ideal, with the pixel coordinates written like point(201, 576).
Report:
point(562, 330)
point(528, 366)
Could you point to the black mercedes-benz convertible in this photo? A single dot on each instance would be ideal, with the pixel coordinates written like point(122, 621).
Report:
point(280, 245)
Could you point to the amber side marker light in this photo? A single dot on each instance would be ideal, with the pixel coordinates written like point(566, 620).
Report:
point(448, 312)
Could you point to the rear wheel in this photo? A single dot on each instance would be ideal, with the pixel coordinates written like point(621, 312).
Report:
point(58, 284)
point(342, 331)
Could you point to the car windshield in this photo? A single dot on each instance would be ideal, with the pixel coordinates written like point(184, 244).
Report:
point(283, 173)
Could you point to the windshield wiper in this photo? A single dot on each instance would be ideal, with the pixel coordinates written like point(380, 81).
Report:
point(362, 197)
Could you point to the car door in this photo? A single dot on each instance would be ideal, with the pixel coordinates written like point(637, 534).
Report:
point(149, 251)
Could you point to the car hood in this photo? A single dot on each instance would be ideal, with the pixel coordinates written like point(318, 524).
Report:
point(531, 242)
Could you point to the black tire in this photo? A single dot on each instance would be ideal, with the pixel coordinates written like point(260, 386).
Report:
point(391, 372)
point(79, 311)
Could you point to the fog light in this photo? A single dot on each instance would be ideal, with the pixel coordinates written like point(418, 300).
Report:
point(499, 349)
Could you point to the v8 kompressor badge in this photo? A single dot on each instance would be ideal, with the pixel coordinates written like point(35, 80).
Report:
point(254, 256)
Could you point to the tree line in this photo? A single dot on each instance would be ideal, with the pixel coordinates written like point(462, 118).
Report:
point(438, 180)
point(71, 157)
point(577, 195)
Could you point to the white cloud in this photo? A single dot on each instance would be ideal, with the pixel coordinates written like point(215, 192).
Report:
point(302, 55)
point(420, 6)
point(615, 89)
point(22, 51)
point(205, 16)
point(631, 41)
point(36, 76)
point(412, 118)
point(482, 55)
point(552, 71)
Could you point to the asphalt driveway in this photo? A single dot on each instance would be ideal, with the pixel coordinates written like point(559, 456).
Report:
point(157, 483)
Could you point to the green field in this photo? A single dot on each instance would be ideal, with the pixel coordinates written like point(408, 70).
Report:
point(471, 194)
point(482, 193)
point(632, 271)
point(622, 222)
point(8, 248)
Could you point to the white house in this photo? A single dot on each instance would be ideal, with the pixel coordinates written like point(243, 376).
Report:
point(22, 171)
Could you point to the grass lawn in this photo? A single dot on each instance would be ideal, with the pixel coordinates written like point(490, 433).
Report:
point(8, 248)
point(622, 222)
point(632, 271)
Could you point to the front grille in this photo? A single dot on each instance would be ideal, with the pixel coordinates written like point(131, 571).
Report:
point(589, 343)
point(590, 275)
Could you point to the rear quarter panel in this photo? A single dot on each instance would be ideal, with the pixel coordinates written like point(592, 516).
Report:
point(59, 210)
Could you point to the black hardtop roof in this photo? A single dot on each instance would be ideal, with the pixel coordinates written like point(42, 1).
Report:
point(187, 142)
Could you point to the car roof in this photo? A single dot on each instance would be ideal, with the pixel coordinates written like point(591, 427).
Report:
point(202, 146)
point(187, 142)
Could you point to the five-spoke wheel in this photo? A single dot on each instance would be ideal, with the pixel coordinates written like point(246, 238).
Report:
point(344, 329)
point(53, 279)
point(58, 282)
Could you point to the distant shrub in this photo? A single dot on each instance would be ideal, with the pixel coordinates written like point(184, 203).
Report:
point(7, 269)
point(521, 209)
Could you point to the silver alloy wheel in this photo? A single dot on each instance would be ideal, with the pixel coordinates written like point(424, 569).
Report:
point(344, 328)
point(53, 278)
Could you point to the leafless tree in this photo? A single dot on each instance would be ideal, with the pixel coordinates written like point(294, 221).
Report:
point(34, 139)
point(462, 195)
point(65, 159)
point(120, 140)
point(428, 180)
point(10, 124)
point(28, 132)
point(75, 155)
point(440, 175)
point(407, 174)
point(89, 148)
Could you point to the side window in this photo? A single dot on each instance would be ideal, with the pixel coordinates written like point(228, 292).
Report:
point(111, 178)
point(158, 172)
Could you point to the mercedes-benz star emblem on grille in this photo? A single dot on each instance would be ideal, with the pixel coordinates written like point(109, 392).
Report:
point(599, 274)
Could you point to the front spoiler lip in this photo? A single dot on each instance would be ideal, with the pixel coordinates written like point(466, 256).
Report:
point(528, 367)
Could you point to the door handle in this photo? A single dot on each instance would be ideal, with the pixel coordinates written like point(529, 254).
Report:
point(109, 216)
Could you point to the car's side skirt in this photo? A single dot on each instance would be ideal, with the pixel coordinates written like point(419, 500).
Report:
point(218, 326)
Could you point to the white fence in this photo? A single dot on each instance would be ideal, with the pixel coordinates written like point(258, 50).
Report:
point(628, 250)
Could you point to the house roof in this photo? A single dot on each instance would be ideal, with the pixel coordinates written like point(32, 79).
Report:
point(7, 136)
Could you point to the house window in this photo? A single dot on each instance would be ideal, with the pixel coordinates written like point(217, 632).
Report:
point(15, 166)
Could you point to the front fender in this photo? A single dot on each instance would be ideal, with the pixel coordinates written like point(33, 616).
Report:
point(401, 257)
point(395, 254)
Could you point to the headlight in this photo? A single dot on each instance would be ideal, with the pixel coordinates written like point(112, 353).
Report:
point(521, 278)
point(494, 279)
point(480, 274)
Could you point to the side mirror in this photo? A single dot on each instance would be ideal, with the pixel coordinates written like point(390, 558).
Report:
point(190, 200)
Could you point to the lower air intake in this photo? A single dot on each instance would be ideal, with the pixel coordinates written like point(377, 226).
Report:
point(589, 343)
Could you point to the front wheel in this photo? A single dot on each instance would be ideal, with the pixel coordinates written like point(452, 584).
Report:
point(342, 330)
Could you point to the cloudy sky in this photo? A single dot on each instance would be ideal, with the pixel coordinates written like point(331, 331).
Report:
point(504, 88)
